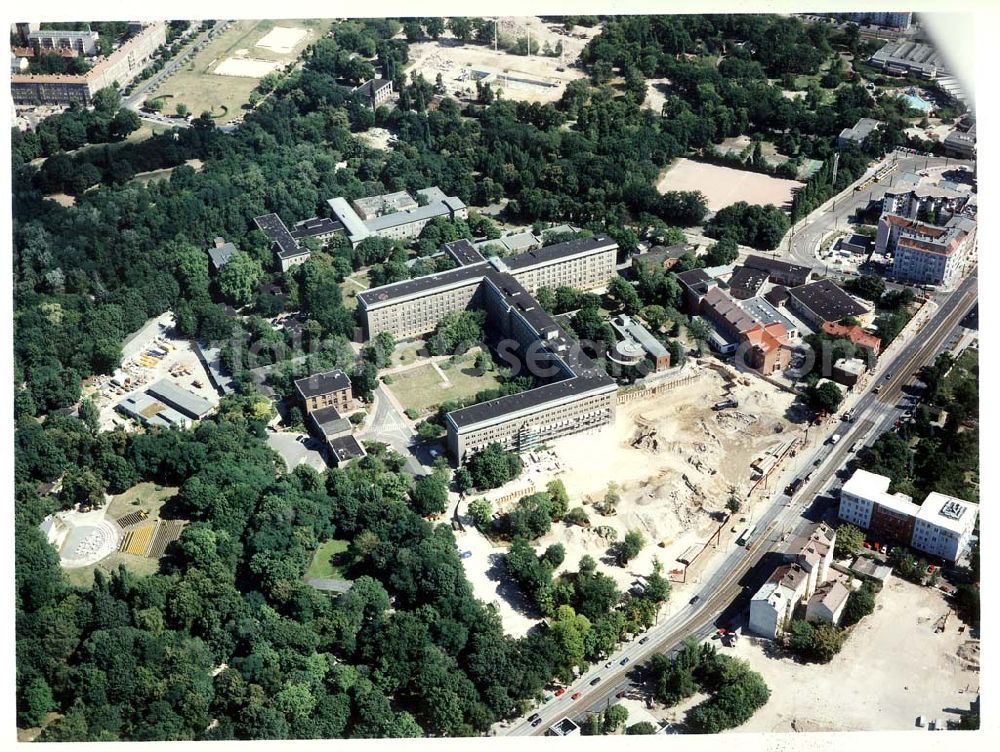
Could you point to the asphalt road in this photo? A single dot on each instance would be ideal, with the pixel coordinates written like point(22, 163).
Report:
point(724, 594)
point(138, 96)
point(390, 426)
point(801, 245)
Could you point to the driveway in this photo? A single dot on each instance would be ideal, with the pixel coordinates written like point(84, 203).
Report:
point(388, 425)
point(295, 452)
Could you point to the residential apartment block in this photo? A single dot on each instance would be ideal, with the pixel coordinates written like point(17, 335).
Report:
point(924, 252)
point(573, 393)
point(118, 68)
point(801, 580)
point(942, 526)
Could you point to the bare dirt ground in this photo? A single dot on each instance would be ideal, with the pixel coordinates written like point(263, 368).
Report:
point(675, 461)
point(892, 668)
point(723, 186)
point(531, 79)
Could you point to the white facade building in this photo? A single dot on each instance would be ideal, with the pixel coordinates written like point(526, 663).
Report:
point(944, 526)
point(773, 605)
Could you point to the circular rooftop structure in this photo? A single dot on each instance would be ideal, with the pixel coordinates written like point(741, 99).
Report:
point(627, 353)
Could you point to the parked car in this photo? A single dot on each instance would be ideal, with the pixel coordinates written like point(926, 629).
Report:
point(536, 722)
point(465, 555)
point(643, 640)
point(623, 661)
point(595, 681)
point(694, 600)
point(620, 695)
point(576, 695)
point(608, 664)
point(561, 691)
point(533, 716)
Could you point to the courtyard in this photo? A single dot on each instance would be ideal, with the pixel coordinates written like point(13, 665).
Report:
point(424, 386)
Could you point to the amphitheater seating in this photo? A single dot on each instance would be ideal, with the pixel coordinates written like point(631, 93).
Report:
point(132, 518)
point(136, 542)
point(167, 532)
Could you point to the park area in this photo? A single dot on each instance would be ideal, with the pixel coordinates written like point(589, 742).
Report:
point(325, 569)
point(535, 78)
point(220, 77)
point(892, 668)
point(424, 386)
point(723, 186)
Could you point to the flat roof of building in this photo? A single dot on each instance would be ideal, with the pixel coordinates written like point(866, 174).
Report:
point(464, 253)
point(309, 228)
point(635, 330)
point(345, 214)
point(746, 281)
point(551, 253)
point(187, 402)
point(148, 410)
point(832, 595)
point(345, 448)
point(276, 231)
point(948, 512)
point(322, 383)
point(775, 267)
point(395, 219)
point(875, 488)
point(827, 301)
point(330, 422)
point(406, 288)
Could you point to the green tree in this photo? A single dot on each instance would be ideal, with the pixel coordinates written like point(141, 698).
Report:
point(733, 504)
point(630, 546)
point(239, 278)
point(825, 397)
point(641, 728)
point(624, 295)
point(493, 466)
point(860, 603)
point(430, 494)
point(182, 109)
point(848, 542)
point(481, 511)
point(614, 718)
point(721, 253)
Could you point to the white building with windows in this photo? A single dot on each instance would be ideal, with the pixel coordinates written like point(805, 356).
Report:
point(944, 526)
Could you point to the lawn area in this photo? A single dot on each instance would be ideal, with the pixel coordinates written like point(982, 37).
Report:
point(322, 566)
point(145, 178)
point(147, 497)
point(423, 389)
point(197, 85)
point(354, 284)
point(138, 565)
point(965, 368)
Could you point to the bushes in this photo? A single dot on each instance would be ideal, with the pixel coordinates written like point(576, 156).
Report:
point(815, 642)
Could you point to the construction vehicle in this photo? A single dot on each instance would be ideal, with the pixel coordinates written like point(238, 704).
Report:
point(725, 404)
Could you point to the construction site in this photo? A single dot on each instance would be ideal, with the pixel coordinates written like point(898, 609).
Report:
point(539, 77)
point(675, 456)
point(912, 635)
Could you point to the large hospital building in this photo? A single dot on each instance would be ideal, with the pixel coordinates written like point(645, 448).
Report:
point(572, 393)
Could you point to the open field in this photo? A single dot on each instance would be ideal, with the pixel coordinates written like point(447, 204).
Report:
point(321, 565)
point(723, 186)
point(892, 668)
point(426, 386)
point(145, 497)
point(220, 77)
point(531, 79)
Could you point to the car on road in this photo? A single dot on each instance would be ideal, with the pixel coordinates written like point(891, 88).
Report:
point(643, 641)
point(888, 375)
point(576, 696)
point(623, 661)
point(694, 600)
point(595, 681)
point(535, 723)
point(533, 716)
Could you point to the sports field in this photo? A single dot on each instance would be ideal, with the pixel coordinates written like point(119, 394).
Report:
point(221, 76)
point(723, 186)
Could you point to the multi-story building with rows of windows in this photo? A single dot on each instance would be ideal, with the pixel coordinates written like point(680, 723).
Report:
point(572, 393)
point(942, 526)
